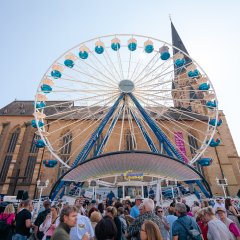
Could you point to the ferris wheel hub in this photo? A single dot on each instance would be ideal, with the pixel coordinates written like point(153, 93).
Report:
point(126, 86)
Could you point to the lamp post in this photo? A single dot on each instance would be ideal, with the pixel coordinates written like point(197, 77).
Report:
point(41, 186)
point(222, 183)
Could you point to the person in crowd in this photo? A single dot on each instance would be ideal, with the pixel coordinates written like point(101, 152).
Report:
point(95, 218)
point(135, 226)
point(233, 228)
point(128, 217)
point(184, 223)
point(41, 218)
point(202, 224)
point(128, 205)
point(189, 213)
point(123, 220)
point(195, 208)
point(112, 213)
point(216, 228)
point(165, 226)
point(110, 197)
point(218, 203)
point(20, 207)
point(141, 209)
point(106, 229)
point(150, 231)
point(68, 219)
point(78, 203)
point(134, 212)
point(204, 203)
point(7, 219)
point(171, 218)
point(151, 194)
point(23, 221)
point(50, 223)
point(101, 209)
point(232, 212)
point(83, 226)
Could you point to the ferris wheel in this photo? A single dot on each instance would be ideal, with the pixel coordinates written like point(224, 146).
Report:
point(124, 86)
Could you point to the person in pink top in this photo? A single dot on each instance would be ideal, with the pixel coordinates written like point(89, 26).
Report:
point(50, 223)
point(233, 228)
point(9, 217)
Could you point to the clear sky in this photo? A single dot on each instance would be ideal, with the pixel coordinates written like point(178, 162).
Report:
point(34, 33)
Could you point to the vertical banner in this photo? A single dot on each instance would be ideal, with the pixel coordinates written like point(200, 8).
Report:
point(178, 136)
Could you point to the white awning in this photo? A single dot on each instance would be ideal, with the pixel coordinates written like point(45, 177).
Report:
point(118, 163)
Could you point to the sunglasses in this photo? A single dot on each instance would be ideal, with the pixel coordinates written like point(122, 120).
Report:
point(159, 211)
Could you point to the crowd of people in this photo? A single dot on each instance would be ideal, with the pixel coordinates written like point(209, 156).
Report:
point(121, 220)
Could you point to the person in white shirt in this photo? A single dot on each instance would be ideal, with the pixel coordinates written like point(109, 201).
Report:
point(218, 203)
point(83, 226)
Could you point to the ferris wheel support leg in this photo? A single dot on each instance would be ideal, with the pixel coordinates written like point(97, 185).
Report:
point(206, 192)
point(170, 149)
point(110, 129)
point(90, 143)
point(148, 139)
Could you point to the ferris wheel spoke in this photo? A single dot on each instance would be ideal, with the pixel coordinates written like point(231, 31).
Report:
point(95, 68)
point(92, 123)
point(82, 120)
point(150, 62)
point(93, 76)
point(78, 110)
point(120, 64)
point(184, 113)
point(113, 65)
point(148, 72)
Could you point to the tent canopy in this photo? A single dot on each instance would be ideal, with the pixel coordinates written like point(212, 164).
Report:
point(145, 163)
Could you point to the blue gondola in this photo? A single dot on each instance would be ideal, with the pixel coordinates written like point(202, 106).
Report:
point(56, 74)
point(69, 63)
point(34, 124)
point(132, 46)
point(214, 143)
point(83, 54)
point(213, 122)
point(164, 53)
point(193, 74)
point(204, 162)
point(99, 49)
point(149, 48)
point(40, 143)
point(211, 104)
point(51, 163)
point(180, 62)
point(46, 88)
point(115, 46)
point(40, 104)
point(204, 87)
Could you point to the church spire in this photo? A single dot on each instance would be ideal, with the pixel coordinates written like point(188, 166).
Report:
point(176, 40)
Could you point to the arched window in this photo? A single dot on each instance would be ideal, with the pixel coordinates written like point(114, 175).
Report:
point(193, 147)
point(9, 155)
point(65, 151)
point(32, 159)
point(130, 141)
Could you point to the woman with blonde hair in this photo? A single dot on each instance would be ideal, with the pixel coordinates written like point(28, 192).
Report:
point(150, 231)
point(8, 216)
point(216, 228)
point(95, 218)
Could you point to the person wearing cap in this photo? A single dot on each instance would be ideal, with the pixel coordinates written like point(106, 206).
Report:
point(233, 228)
point(135, 209)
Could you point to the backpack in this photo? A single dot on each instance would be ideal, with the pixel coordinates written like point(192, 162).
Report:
point(5, 228)
point(192, 234)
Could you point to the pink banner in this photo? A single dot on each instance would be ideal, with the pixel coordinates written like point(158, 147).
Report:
point(180, 145)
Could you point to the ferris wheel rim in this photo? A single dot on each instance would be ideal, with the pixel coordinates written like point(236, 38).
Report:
point(198, 155)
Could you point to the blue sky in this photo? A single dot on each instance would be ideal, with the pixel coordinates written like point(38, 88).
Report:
point(35, 33)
